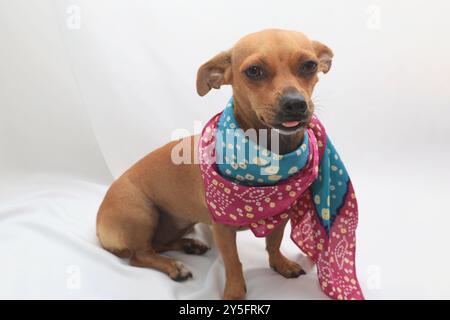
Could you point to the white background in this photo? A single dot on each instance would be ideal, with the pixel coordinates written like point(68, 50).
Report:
point(89, 87)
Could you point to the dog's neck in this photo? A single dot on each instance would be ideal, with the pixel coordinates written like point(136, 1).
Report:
point(247, 119)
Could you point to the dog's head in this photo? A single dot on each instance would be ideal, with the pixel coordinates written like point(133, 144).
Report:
point(273, 74)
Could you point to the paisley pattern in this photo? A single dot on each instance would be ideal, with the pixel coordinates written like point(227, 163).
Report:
point(324, 228)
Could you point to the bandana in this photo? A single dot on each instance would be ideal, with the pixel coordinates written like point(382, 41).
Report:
point(241, 159)
point(317, 197)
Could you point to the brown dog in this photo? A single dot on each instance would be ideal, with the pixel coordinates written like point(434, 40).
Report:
point(152, 206)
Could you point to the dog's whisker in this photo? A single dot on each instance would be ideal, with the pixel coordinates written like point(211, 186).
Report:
point(321, 99)
point(319, 107)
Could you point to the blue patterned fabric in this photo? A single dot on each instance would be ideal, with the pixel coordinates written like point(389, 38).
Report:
point(241, 159)
point(330, 187)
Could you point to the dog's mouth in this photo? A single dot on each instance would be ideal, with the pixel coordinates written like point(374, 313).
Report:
point(291, 125)
point(287, 125)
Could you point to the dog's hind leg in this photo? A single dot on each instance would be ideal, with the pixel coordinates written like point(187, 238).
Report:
point(170, 235)
point(186, 245)
point(126, 226)
point(144, 248)
point(150, 258)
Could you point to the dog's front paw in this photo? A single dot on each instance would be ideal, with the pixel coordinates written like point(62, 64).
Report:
point(234, 291)
point(286, 267)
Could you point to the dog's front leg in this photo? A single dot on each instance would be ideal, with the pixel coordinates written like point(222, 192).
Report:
point(277, 260)
point(225, 238)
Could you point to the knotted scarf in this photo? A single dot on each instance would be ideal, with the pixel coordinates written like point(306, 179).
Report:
point(315, 194)
point(241, 159)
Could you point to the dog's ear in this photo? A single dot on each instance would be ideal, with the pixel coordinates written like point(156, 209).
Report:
point(214, 73)
point(324, 54)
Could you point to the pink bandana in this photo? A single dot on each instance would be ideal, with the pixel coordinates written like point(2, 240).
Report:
point(262, 208)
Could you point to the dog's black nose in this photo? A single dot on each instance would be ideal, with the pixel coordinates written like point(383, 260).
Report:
point(293, 104)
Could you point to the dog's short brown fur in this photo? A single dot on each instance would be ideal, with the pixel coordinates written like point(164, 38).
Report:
point(151, 207)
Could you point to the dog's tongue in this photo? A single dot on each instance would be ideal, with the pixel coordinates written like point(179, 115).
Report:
point(290, 124)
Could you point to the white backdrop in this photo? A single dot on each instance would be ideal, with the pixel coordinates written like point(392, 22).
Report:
point(89, 87)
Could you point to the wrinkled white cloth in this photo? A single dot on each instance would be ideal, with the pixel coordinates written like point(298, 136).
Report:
point(50, 250)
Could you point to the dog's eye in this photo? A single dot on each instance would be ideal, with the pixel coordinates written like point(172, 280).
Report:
point(255, 73)
point(308, 68)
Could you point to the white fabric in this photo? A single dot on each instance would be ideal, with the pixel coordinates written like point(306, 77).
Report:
point(48, 240)
point(80, 105)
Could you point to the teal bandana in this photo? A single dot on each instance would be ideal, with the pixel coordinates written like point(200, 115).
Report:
point(241, 159)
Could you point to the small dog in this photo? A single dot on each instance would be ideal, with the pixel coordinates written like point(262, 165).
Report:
point(152, 206)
